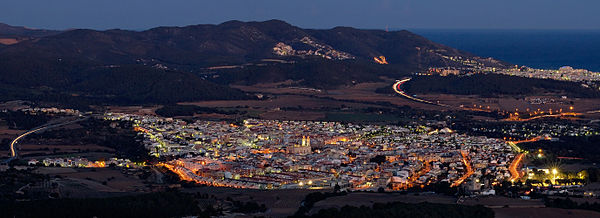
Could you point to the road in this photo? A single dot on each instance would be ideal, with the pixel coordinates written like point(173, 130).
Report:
point(13, 150)
point(513, 167)
point(465, 159)
point(517, 161)
point(397, 89)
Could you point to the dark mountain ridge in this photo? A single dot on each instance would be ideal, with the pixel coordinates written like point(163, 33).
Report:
point(14, 34)
point(135, 65)
point(19, 31)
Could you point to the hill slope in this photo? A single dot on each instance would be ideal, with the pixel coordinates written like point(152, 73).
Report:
point(138, 66)
point(14, 34)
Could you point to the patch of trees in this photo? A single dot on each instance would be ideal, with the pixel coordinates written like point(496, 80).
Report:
point(567, 203)
point(190, 110)
point(492, 85)
point(379, 159)
point(22, 120)
point(312, 198)
point(126, 142)
point(399, 209)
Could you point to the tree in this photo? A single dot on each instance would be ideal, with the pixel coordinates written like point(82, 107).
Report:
point(336, 188)
point(379, 159)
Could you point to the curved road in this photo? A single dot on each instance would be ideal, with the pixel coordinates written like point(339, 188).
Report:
point(13, 150)
point(398, 90)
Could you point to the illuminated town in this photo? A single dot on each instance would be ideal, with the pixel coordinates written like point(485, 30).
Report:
point(269, 154)
point(564, 73)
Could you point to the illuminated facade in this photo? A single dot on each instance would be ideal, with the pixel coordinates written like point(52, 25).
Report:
point(301, 149)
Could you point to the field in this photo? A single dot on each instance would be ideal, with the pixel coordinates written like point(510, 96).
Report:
point(509, 103)
point(362, 92)
point(48, 149)
point(140, 110)
point(99, 182)
point(281, 203)
point(311, 104)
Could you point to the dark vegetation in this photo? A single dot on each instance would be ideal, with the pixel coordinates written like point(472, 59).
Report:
point(402, 115)
point(248, 207)
point(163, 204)
point(586, 147)
point(5, 145)
point(22, 120)
point(312, 198)
point(398, 209)
point(379, 159)
point(80, 84)
point(190, 110)
point(593, 174)
point(567, 203)
point(12, 180)
point(313, 72)
point(492, 85)
point(120, 136)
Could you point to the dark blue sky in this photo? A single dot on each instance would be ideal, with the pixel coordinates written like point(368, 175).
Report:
point(403, 14)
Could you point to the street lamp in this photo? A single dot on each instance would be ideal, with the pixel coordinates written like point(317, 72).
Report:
point(554, 172)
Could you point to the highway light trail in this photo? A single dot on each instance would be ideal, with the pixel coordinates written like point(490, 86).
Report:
point(513, 167)
point(397, 89)
point(465, 161)
point(517, 161)
point(13, 152)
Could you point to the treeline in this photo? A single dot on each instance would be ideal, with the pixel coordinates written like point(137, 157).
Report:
point(492, 85)
point(163, 204)
point(190, 110)
point(399, 209)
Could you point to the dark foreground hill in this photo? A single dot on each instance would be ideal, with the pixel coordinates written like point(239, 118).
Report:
point(169, 64)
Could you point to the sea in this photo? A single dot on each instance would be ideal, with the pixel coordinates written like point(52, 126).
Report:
point(543, 49)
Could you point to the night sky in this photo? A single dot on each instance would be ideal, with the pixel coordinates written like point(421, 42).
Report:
point(372, 14)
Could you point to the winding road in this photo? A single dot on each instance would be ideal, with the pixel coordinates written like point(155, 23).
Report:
point(13, 150)
point(397, 89)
